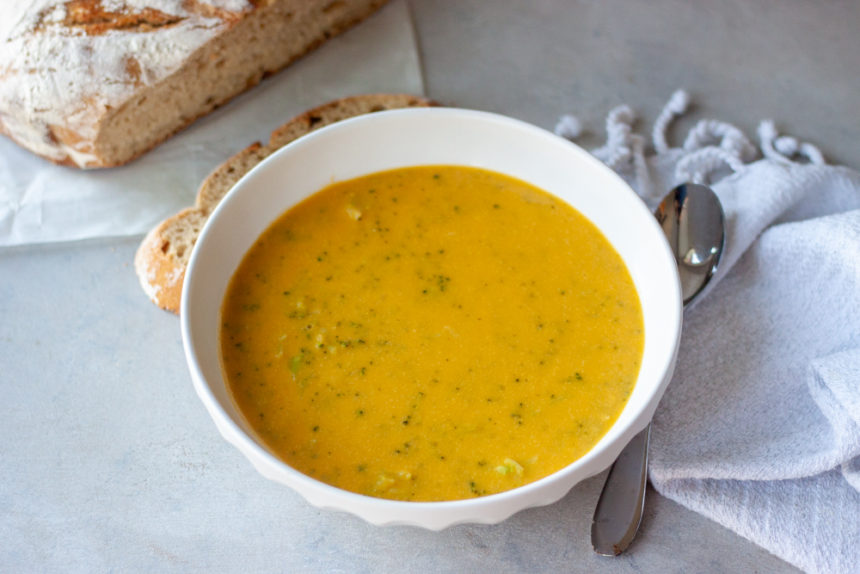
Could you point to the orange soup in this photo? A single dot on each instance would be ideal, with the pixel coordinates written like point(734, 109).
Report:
point(431, 333)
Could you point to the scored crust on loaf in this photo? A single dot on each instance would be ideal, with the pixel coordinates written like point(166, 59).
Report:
point(163, 254)
point(96, 83)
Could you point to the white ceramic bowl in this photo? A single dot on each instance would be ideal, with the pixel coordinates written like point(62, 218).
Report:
point(402, 138)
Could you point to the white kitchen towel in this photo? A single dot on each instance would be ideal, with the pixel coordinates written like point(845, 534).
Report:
point(759, 429)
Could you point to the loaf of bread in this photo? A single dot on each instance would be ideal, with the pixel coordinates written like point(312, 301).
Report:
point(163, 255)
point(96, 83)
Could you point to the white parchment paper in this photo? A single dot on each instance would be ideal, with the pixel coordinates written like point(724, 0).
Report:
point(41, 202)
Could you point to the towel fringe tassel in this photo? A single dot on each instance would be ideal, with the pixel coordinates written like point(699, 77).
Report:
point(711, 145)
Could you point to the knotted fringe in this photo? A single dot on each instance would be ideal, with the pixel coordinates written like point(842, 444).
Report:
point(710, 146)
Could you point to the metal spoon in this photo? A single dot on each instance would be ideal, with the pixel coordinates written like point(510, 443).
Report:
point(692, 220)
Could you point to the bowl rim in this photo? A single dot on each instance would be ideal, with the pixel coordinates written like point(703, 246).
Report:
point(269, 465)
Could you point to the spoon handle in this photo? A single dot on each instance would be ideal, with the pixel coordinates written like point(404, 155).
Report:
point(619, 508)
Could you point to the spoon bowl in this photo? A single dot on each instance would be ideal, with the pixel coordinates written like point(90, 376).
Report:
point(693, 222)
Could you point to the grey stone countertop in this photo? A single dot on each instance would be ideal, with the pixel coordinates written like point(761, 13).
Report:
point(144, 482)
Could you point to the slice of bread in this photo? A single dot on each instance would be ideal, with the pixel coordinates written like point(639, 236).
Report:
point(163, 255)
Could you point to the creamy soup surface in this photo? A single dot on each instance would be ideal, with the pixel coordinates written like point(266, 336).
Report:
point(431, 333)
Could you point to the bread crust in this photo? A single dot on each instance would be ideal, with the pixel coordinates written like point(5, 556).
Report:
point(162, 257)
